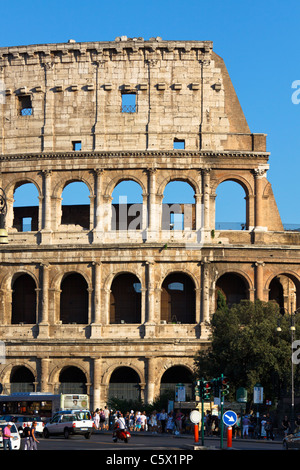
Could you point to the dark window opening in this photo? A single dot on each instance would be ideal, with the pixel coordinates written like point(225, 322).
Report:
point(25, 105)
point(72, 380)
point(22, 380)
point(125, 299)
point(233, 287)
point(24, 300)
point(125, 384)
point(129, 103)
point(178, 301)
point(74, 300)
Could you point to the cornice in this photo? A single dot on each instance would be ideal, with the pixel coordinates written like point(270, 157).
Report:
point(134, 154)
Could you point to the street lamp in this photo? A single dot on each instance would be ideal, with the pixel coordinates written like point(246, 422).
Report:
point(3, 211)
point(292, 330)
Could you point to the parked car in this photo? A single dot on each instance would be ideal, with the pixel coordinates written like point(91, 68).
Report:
point(68, 424)
point(292, 441)
point(15, 436)
point(22, 420)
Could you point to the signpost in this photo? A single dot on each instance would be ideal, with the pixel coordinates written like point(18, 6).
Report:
point(195, 418)
point(229, 419)
point(258, 397)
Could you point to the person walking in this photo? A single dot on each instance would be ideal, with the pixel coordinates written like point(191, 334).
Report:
point(33, 440)
point(163, 420)
point(7, 437)
point(26, 437)
point(106, 414)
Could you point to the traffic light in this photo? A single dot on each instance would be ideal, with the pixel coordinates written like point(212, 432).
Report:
point(215, 387)
point(206, 390)
point(225, 386)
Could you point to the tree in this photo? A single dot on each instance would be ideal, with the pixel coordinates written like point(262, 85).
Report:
point(246, 347)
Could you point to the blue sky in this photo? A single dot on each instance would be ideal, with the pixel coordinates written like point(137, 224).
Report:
point(259, 41)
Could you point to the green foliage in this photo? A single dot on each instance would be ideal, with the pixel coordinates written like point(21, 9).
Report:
point(247, 349)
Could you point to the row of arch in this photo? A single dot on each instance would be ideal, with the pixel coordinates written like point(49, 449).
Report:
point(177, 297)
point(178, 205)
point(124, 382)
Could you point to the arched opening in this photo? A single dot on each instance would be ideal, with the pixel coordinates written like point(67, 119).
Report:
point(127, 206)
point(125, 384)
point(72, 380)
point(75, 207)
point(177, 375)
point(21, 380)
point(234, 288)
point(23, 309)
point(285, 290)
point(178, 208)
point(26, 208)
point(74, 299)
point(178, 299)
point(231, 207)
point(125, 299)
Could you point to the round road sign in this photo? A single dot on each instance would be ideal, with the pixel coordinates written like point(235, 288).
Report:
point(195, 416)
point(229, 418)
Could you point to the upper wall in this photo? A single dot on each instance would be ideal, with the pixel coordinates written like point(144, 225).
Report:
point(58, 94)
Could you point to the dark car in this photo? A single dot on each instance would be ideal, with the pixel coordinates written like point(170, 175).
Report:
point(292, 441)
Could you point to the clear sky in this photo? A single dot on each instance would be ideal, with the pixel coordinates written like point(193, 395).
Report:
point(259, 41)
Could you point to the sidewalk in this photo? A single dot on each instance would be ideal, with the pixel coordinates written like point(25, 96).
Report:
point(211, 439)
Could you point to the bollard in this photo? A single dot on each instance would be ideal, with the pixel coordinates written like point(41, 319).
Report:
point(196, 432)
point(229, 436)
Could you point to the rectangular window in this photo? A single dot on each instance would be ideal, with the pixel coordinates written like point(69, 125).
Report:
point(27, 224)
point(25, 105)
point(129, 103)
point(178, 144)
point(76, 145)
point(176, 221)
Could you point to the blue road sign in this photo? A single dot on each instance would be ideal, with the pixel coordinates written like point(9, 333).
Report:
point(229, 418)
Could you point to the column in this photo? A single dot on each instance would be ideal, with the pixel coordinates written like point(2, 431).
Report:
point(96, 327)
point(150, 287)
point(98, 209)
point(260, 280)
point(205, 317)
point(44, 324)
point(206, 203)
point(151, 379)
point(260, 175)
point(47, 199)
point(98, 399)
point(152, 200)
point(44, 374)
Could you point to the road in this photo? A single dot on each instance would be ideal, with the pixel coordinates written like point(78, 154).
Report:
point(148, 442)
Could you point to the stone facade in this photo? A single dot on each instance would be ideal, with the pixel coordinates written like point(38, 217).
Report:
point(58, 96)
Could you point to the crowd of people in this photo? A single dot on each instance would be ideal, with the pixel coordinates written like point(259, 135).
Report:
point(174, 422)
point(178, 422)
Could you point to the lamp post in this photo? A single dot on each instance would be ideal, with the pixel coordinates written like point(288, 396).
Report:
point(3, 211)
point(292, 330)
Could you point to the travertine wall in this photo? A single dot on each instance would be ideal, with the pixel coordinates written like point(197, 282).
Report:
point(183, 91)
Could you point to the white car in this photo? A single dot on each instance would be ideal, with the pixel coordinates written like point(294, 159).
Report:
point(25, 420)
point(15, 436)
point(68, 424)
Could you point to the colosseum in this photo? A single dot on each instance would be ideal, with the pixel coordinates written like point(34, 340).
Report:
point(110, 296)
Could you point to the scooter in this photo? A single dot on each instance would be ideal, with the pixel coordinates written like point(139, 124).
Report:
point(122, 434)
